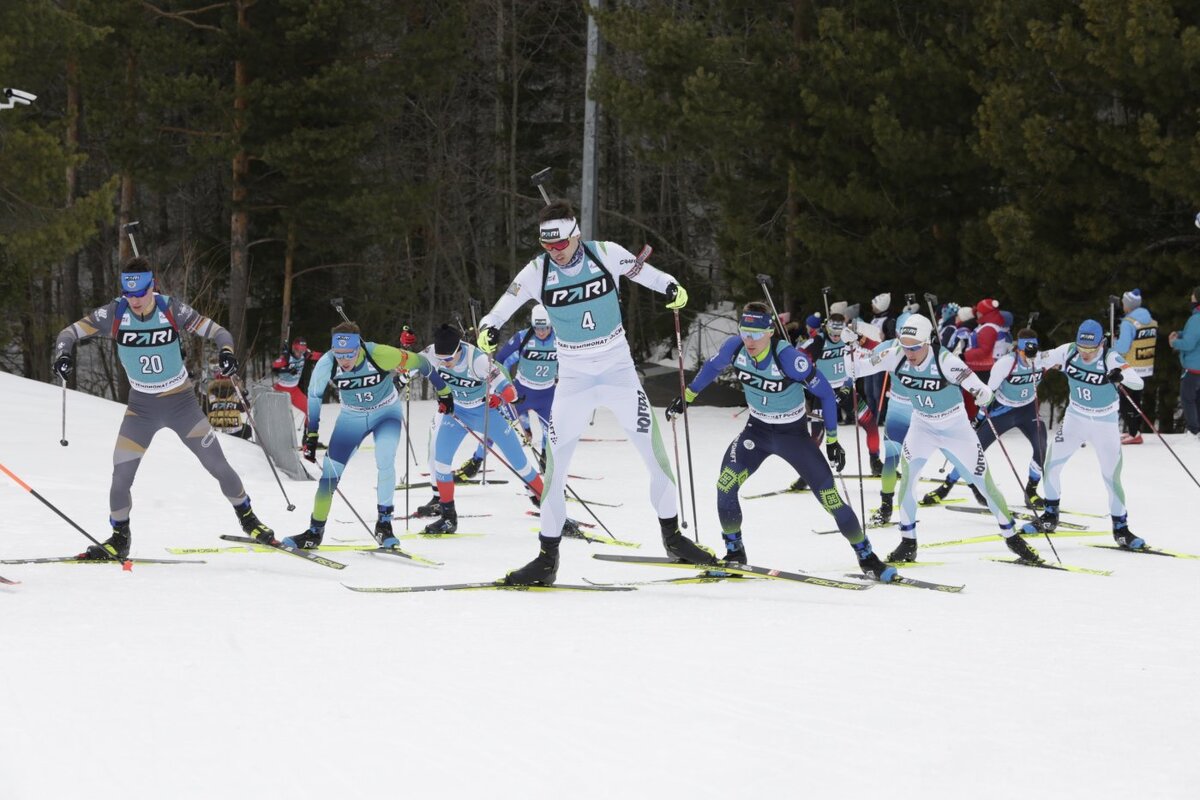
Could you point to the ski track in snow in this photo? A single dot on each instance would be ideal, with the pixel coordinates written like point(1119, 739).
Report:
point(258, 675)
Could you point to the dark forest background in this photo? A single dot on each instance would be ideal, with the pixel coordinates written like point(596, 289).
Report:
point(282, 152)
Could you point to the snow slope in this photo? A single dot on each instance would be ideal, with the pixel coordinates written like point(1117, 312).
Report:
point(258, 675)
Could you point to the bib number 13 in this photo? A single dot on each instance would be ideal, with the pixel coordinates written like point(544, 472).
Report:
point(588, 323)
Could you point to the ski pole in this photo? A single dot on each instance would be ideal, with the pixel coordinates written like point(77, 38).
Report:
point(55, 509)
point(862, 494)
point(408, 443)
point(236, 382)
point(345, 500)
point(687, 434)
point(487, 393)
point(1016, 474)
point(1150, 425)
point(63, 439)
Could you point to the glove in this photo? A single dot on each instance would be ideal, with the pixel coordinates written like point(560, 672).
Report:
point(676, 408)
point(983, 397)
point(843, 391)
point(849, 335)
point(1115, 375)
point(310, 446)
point(677, 296)
point(408, 339)
point(835, 453)
point(228, 362)
point(401, 379)
point(488, 339)
point(286, 352)
point(445, 403)
point(1031, 350)
point(63, 365)
point(495, 400)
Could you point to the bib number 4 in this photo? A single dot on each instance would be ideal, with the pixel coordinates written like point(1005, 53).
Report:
point(588, 323)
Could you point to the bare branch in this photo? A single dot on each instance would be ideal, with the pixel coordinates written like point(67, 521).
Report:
point(181, 16)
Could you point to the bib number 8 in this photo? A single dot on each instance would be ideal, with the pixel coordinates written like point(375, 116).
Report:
point(588, 323)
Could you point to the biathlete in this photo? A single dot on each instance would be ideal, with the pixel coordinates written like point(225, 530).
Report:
point(463, 371)
point(931, 378)
point(774, 376)
point(146, 326)
point(288, 370)
point(577, 283)
point(362, 374)
point(1093, 374)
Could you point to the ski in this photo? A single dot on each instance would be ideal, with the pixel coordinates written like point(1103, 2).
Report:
point(1048, 565)
point(599, 439)
point(995, 537)
point(593, 502)
point(1151, 551)
point(7, 582)
point(409, 536)
point(496, 585)
point(594, 538)
point(1022, 515)
point(262, 548)
point(903, 580)
point(580, 523)
point(307, 555)
point(703, 577)
point(871, 526)
point(737, 569)
point(118, 562)
point(427, 484)
point(411, 517)
point(774, 493)
point(398, 553)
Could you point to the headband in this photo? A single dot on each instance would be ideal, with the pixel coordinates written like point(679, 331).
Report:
point(552, 229)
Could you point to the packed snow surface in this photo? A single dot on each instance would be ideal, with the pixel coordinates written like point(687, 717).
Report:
point(260, 676)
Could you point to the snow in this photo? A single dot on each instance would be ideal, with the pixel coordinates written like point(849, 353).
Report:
point(258, 675)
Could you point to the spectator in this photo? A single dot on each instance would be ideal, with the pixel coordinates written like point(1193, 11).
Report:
point(1135, 342)
point(1187, 343)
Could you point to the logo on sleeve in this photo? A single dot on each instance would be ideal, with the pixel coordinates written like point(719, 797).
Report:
point(802, 366)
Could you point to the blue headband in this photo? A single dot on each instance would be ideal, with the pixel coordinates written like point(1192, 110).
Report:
point(346, 342)
point(136, 284)
point(756, 320)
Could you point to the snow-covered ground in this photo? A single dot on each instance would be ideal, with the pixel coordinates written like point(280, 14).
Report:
point(258, 675)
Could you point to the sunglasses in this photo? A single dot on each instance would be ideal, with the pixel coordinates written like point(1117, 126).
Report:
point(753, 335)
point(1083, 348)
point(556, 246)
point(912, 348)
point(342, 355)
point(141, 293)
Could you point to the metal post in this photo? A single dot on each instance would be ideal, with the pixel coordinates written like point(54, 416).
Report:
point(591, 113)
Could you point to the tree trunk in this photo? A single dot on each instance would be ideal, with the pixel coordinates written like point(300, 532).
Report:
point(71, 306)
point(124, 253)
point(239, 250)
point(289, 269)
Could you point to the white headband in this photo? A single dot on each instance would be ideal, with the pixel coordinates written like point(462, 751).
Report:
point(552, 229)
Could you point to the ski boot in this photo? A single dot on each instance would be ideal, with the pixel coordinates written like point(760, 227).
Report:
point(309, 540)
point(883, 514)
point(735, 550)
point(800, 485)
point(906, 551)
point(383, 528)
point(679, 546)
point(936, 496)
point(1121, 533)
point(870, 564)
point(430, 509)
point(251, 525)
point(1021, 549)
point(447, 524)
point(876, 465)
point(468, 469)
point(1131, 438)
point(542, 570)
point(979, 498)
point(1032, 500)
point(115, 547)
point(1045, 522)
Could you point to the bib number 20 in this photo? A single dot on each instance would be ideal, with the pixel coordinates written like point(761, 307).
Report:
point(151, 365)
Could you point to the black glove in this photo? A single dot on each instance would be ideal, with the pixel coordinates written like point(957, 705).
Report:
point(400, 378)
point(228, 363)
point(1116, 375)
point(445, 404)
point(310, 446)
point(844, 391)
point(1031, 350)
point(676, 408)
point(836, 455)
point(63, 366)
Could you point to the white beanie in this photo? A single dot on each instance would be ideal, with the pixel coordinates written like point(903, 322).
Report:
point(1132, 298)
point(917, 326)
point(839, 307)
point(881, 302)
point(965, 314)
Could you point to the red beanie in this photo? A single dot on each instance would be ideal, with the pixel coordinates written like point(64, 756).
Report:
point(985, 306)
